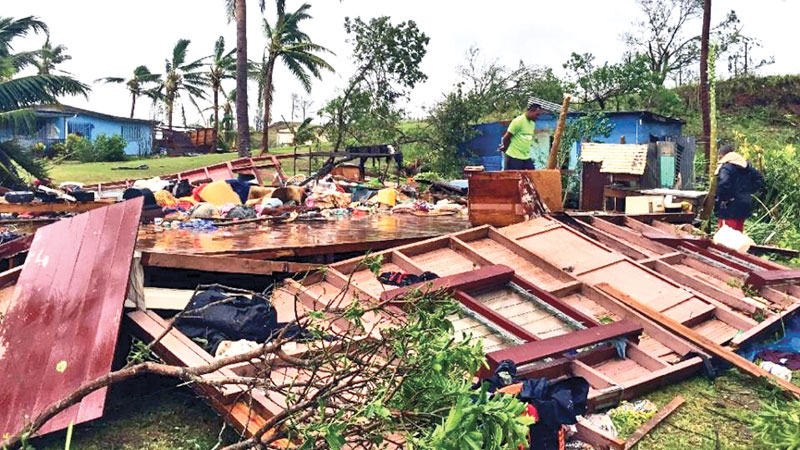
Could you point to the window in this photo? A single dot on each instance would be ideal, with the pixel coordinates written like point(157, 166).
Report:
point(80, 128)
point(132, 132)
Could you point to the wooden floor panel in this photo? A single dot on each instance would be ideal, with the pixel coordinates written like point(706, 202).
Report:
point(621, 370)
point(689, 309)
point(500, 254)
point(710, 279)
point(589, 307)
point(524, 313)
point(466, 327)
point(444, 262)
point(655, 348)
point(636, 282)
point(367, 280)
point(567, 251)
point(327, 293)
point(716, 330)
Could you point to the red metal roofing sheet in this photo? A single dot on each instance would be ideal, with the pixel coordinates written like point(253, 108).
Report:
point(61, 328)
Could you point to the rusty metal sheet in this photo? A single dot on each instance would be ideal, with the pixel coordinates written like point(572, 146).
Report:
point(61, 327)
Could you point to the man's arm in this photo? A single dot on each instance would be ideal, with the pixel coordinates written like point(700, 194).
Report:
point(506, 142)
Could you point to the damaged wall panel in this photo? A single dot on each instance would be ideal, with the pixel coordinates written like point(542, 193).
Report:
point(61, 327)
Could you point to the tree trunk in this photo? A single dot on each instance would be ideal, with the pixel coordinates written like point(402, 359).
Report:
point(133, 103)
point(170, 108)
point(267, 103)
point(242, 122)
point(216, 120)
point(705, 108)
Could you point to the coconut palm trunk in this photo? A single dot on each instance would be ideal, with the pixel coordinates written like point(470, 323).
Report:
point(133, 104)
point(242, 122)
point(267, 104)
point(216, 120)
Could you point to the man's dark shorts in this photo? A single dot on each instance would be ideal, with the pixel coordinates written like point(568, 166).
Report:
point(519, 164)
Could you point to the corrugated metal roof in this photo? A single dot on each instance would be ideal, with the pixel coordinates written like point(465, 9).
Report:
point(61, 327)
point(616, 158)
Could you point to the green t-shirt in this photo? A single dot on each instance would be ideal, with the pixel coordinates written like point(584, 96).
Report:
point(521, 130)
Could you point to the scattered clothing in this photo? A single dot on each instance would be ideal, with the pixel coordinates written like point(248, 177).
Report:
point(149, 198)
point(737, 181)
point(241, 212)
point(233, 348)
point(7, 236)
point(227, 317)
point(165, 198)
point(242, 189)
point(405, 279)
point(204, 211)
point(182, 189)
point(789, 360)
point(155, 184)
point(220, 193)
point(736, 224)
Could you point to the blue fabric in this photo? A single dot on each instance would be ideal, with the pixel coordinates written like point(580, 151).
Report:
point(789, 343)
point(242, 188)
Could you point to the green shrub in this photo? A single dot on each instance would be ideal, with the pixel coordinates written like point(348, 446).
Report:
point(80, 148)
point(104, 148)
point(778, 426)
point(110, 148)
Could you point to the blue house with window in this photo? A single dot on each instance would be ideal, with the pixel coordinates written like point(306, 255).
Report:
point(636, 127)
point(55, 122)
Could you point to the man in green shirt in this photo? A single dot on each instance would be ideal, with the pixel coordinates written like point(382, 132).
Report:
point(518, 139)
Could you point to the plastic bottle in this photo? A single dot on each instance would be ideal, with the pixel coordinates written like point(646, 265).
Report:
point(777, 370)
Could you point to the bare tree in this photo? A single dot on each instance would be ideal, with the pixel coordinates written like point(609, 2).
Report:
point(666, 34)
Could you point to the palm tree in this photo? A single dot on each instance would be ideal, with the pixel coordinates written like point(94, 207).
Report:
point(18, 94)
point(50, 56)
point(286, 41)
point(137, 85)
point(221, 67)
point(237, 9)
point(179, 77)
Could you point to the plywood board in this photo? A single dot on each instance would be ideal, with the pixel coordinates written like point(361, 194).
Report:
point(68, 299)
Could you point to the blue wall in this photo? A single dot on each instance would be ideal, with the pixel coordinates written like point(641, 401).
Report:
point(635, 126)
point(139, 135)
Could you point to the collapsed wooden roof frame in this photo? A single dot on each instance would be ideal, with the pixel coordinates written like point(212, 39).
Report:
point(549, 282)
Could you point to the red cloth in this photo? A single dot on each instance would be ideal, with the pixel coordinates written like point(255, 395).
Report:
point(736, 224)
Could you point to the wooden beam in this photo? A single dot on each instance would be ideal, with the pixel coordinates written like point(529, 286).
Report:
point(761, 278)
point(546, 348)
point(474, 279)
point(10, 276)
point(653, 422)
point(597, 438)
point(223, 264)
point(765, 326)
point(701, 341)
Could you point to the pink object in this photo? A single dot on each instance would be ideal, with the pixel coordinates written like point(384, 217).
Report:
point(61, 327)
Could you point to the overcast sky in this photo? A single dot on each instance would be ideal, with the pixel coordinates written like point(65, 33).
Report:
point(110, 38)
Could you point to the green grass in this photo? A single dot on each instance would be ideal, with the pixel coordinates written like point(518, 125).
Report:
point(151, 413)
point(148, 413)
point(102, 172)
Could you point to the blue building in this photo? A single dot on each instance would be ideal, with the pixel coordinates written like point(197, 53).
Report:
point(637, 127)
point(55, 122)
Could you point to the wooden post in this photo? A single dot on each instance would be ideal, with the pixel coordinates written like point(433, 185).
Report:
point(552, 161)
